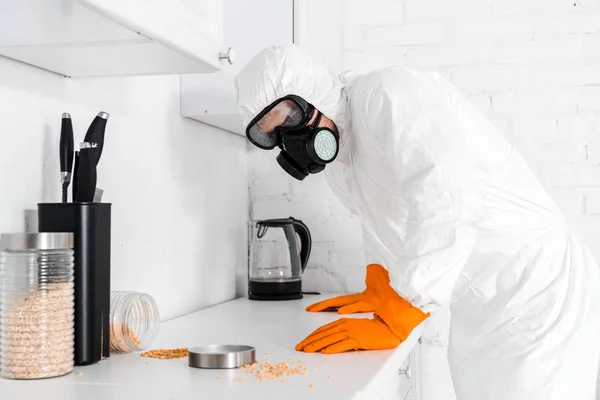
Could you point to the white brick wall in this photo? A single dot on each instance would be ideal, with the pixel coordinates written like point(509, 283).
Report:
point(592, 201)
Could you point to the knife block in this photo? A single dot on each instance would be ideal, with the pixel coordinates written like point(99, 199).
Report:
point(90, 223)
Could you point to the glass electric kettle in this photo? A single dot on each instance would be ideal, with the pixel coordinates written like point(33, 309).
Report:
point(278, 259)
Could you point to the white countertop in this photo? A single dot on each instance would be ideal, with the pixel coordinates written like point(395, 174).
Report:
point(273, 327)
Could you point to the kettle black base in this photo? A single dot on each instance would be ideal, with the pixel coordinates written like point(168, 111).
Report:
point(269, 290)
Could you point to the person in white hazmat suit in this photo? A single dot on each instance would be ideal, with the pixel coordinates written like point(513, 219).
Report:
point(449, 210)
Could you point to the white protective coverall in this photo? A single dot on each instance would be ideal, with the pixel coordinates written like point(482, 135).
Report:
point(457, 217)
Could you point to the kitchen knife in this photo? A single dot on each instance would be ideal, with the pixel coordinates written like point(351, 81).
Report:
point(66, 153)
point(98, 195)
point(86, 173)
point(95, 135)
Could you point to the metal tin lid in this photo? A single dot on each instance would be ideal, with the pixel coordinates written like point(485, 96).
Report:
point(37, 241)
point(221, 356)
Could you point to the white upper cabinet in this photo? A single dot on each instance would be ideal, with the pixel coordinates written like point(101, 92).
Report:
point(248, 27)
point(80, 38)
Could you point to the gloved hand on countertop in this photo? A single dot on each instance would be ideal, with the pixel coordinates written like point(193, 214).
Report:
point(394, 320)
point(367, 301)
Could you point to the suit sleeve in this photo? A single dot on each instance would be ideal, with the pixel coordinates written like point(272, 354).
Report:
point(416, 131)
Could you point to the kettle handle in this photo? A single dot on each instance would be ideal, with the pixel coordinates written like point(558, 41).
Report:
point(305, 241)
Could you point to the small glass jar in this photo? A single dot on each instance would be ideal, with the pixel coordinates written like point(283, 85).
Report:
point(134, 321)
point(36, 305)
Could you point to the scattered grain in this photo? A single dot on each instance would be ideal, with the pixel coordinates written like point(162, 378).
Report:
point(271, 371)
point(79, 373)
point(166, 354)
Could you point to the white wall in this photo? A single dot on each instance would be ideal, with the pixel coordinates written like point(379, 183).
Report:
point(532, 66)
point(178, 187)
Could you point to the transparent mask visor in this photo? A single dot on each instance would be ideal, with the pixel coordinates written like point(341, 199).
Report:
point(285, 114)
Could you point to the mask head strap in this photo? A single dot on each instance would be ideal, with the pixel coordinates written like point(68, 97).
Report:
point(318, 119)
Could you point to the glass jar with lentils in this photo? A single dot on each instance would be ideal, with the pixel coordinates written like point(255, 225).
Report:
point(36, 305)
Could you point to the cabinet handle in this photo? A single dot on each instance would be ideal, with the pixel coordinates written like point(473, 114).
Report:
point(405, 372)
point(229, 56)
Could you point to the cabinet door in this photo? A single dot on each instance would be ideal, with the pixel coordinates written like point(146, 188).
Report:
point(405, 378)
point(190, 26)
point(204, 17)
point(248, 27)
point(395, 382)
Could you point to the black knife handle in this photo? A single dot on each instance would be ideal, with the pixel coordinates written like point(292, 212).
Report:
point(86, 176)
point(95, 135)
point(66, 144)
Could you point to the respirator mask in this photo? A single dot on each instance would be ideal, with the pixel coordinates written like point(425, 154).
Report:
point(305, 149)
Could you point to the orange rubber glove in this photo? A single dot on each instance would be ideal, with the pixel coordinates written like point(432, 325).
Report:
point(394, 320)
point(367, 301)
